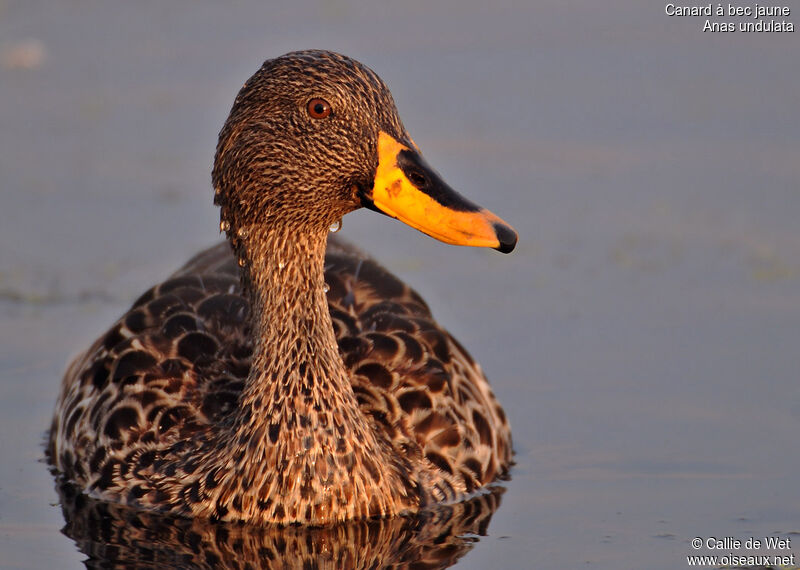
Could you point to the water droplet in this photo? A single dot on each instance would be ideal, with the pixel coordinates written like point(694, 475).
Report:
point(336, 226)
point(243, 232)
point(224, 226)
point(281, 265)
point(326, 287)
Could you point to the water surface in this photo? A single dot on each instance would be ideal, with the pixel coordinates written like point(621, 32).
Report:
point(642, 338)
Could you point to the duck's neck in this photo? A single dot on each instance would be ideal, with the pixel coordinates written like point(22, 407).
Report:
point(302, 449)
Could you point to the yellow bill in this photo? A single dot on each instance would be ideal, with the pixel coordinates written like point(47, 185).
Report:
point(408, 189)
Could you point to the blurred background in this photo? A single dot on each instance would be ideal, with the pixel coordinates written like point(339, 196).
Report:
point(643, 337)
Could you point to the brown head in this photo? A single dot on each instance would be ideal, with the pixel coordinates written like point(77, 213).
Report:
point(314, 135)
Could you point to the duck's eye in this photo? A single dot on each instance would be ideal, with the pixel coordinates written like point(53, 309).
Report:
point(318, 108)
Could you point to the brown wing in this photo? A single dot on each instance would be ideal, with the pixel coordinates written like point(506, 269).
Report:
point(174, 364)
point(418, 383)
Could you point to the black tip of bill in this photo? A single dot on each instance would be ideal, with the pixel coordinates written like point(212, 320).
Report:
point(506, 236)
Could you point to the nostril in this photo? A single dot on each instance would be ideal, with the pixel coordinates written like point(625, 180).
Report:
point(417, 178)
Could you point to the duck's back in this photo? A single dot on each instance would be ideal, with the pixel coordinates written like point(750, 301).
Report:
point(173, 368)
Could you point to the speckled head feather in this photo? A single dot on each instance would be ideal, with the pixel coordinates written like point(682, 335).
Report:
point(276, 164)
point(295, 380)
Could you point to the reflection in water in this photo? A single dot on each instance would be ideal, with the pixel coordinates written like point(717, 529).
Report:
point(116, 536)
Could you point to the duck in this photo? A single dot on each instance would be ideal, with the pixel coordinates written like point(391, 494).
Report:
point(283, 376)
